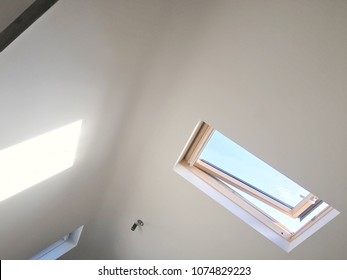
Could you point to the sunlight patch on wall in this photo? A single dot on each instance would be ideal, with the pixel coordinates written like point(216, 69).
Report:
point(35, 160)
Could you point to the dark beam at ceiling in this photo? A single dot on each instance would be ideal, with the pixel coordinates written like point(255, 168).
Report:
point(21, 23)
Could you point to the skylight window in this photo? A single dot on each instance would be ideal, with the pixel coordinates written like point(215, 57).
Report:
point(37, 159)
point(251, 189)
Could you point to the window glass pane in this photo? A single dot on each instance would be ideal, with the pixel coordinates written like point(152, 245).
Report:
point(292, 224)
point(242, 165)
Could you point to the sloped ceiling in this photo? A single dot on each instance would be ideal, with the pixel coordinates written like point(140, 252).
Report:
point(270, 75)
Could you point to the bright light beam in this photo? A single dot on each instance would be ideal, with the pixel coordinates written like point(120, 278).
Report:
point(35, 160)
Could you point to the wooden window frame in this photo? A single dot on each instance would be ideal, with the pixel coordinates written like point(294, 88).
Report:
point(212, 181)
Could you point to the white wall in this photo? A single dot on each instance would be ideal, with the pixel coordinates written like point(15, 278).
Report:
point(60, 70)
point(269, 74)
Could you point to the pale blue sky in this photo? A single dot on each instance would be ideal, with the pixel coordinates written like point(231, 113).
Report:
point(232, 158)
point(227, 155)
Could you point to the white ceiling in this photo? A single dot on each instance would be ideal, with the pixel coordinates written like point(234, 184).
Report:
point(270, 75)
point(11, 9)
